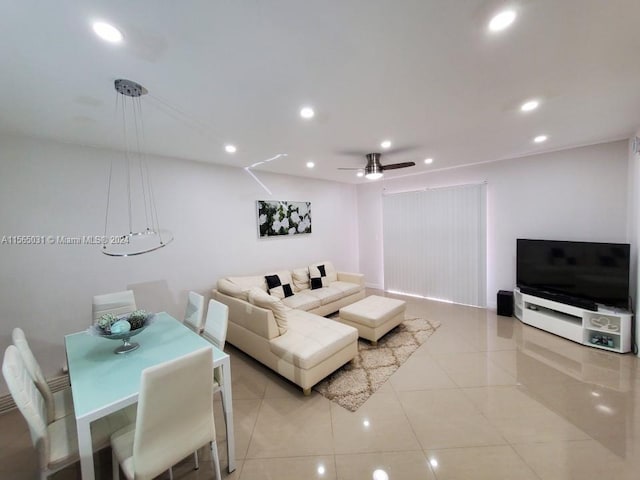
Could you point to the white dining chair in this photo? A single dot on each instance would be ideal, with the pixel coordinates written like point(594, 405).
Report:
point(194, 314)
point(175, 418)
point(215, 325)
point(56, 442)
point(215, 331)
point(117, 303)
point(58, 404)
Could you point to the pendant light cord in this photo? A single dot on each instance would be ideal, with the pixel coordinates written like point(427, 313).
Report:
point(136, 120)
point(126, 152)
point(155, 222)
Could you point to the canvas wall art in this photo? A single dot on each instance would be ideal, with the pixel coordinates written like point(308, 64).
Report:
point(283, 218)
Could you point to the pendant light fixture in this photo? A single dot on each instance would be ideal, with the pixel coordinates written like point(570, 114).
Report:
point(131, 226)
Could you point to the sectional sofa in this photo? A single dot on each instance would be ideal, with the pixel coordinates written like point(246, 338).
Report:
point(278, 319)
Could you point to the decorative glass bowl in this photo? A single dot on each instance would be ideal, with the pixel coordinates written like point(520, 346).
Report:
point(125, 336)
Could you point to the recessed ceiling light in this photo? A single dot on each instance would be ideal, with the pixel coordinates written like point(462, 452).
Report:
point(230, 148)
point(540, 138)
point(530, 105)
point(107, 32)
point(386, 144)
point(360, 174)
point(428, 161)
point(502, 20)
point(380, 474)
point(307, 112)
point(310, 164)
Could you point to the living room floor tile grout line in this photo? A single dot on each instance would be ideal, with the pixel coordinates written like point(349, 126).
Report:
point(525, 461)
point(253, 429)
point(415, 435)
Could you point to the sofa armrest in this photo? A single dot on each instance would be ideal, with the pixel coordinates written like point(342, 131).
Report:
point(256, 319)
point(357, 278)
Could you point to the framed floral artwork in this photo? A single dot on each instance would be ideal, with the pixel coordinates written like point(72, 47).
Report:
point(283, 218)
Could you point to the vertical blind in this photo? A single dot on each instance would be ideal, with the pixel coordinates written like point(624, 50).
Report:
point(435, 243)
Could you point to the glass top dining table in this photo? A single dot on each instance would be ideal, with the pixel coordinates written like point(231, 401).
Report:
point(103, 382)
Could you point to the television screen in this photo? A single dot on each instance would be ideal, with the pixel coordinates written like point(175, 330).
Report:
point(598, 272)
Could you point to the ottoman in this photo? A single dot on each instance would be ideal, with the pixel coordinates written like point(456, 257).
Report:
point(373, 316)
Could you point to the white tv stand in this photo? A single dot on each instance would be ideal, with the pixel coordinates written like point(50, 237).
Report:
point(608, 329)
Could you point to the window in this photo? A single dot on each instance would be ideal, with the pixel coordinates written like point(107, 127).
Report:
point(435, 243)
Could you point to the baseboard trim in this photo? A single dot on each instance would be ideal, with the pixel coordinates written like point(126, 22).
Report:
point(56, 384)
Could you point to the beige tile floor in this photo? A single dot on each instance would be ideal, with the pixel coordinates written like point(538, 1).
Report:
point(484, 397)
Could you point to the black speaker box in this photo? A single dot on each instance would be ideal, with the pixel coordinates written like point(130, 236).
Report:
point(505, 303)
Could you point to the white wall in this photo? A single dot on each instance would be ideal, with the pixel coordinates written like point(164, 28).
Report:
point(577, 194)
point(49, 188)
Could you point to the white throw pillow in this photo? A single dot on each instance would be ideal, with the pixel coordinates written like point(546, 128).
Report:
point(301, 279)
point(262, 299)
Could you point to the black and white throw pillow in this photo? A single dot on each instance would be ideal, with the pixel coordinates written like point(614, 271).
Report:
point(316, 282)
point(276, 288)
point(283, 291)
point(318, 276)
point(273, 281)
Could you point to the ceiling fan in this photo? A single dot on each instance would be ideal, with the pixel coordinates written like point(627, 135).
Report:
point(374, 169)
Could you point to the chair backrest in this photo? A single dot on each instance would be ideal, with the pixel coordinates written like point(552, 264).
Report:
point(28, 400)
point(175, 412)
point(117, 303)
point(32, 366)
point(194, 314)
point(215, 326)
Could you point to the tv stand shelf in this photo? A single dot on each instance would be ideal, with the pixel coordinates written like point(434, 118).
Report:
point(607, 329)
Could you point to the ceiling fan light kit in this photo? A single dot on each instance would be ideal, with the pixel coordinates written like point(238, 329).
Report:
point(373, 170)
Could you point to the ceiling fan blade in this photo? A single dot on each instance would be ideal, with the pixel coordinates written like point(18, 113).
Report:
point(393, 166)
point(344, 168)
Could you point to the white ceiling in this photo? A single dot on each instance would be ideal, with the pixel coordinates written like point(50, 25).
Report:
point(423, 73)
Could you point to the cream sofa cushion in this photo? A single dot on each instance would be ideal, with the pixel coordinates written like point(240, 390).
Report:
point(310, 339)
point(302, 301)
point(262, 299)
point(326, 294)
point(347, 288)
point(227, 287)
point(247, 283)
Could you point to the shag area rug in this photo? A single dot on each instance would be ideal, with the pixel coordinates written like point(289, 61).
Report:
point(352, 384)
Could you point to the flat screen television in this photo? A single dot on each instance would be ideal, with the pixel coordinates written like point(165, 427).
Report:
point(594, 272)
